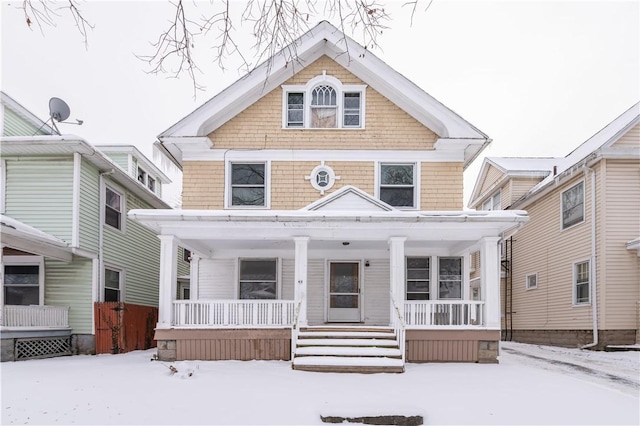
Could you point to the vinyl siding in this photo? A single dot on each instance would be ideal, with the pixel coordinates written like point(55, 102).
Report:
point(15, 125)
point(137, 252)
point(122, 160)
point(260, 125)
point(492, 176)
point(621, 224)
point(631, 139)
point(519, 187)
point(217, 279)
point(89, 207)
point(376, 303)
point(39, 192)
point(316, 299)
point(70, 284)
point(542, 247)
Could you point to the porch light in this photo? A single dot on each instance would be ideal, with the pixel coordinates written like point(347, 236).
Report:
point(345, 243)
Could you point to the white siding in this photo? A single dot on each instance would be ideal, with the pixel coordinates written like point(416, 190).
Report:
point(376, 292)
point(287, 287)
point(316, 291)
point(217, 279)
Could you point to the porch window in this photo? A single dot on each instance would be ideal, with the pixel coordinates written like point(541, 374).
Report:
point(573, 206)
point(113, 208)
point(248, 184)
point(493, 203)
point(258, 279)
point(397, 184)
point(22, 284)
point(112, 285)
point(450, 277)
point(417, 278)
point(581, 282)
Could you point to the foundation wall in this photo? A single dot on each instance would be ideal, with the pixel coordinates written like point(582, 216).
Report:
point(575, 338)
point(452, 346)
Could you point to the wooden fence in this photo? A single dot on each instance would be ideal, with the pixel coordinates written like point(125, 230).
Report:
point(124, 327)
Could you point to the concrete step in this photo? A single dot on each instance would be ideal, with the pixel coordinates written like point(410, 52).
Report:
point(339, 364)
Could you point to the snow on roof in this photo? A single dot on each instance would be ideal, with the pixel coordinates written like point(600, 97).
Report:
point(25, 230)
point(524, 164)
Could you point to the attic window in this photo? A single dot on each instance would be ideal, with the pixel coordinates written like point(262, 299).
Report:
point(323, 103)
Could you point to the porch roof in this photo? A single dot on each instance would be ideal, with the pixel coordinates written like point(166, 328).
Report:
point(205, 230)
point(26, 238)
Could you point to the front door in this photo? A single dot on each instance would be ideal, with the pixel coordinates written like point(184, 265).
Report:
point(344, 292)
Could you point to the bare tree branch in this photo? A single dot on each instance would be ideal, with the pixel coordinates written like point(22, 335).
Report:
point(45, 12)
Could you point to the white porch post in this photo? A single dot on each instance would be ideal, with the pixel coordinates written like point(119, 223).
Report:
point(301, 258)
point(168, 279)
point(490, 280)
point(396, 267)
point(194, 277)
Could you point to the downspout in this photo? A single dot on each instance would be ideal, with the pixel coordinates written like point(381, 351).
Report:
point(592, 262)
point(101, 214)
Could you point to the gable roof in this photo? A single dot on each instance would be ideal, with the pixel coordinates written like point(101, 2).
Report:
point(24, 114)
point(325, 39)
point(349, 198)
point(557, 168)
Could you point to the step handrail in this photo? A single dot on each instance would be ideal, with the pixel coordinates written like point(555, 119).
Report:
point(399, 326)
point(295, 330)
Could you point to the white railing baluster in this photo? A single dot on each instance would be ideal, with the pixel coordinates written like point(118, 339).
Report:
point(219, 313)
point(35, 316)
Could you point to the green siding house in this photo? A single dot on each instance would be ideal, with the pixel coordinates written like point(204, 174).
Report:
point(67, 243)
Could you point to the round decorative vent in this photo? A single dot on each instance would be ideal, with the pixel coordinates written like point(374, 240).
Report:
point(322, 177)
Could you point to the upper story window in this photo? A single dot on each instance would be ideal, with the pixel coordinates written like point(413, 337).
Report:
point(494, 202)
point(573, 205)
point(151, 184)
point(247, 185)
point(113, 208)
point(397, 185)
point(323, 103)
point(142, 176)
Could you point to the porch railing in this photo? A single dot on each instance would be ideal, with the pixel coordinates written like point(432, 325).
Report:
point(443, 313)
point(35, 316)
point(211, 313)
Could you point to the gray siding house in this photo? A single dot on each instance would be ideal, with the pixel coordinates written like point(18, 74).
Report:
point(67, 243)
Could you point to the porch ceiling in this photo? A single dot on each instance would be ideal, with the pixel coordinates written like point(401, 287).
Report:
point(206, 231)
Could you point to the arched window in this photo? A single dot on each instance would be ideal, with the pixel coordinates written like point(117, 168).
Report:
point(324, 107)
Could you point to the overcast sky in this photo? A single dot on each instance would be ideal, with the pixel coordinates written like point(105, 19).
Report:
point(538, 77)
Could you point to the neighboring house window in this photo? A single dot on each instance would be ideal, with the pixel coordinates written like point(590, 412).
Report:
point(573, 205)
point(532, 281)
point(493, 203)
point(151, 184)
point(142, 176)
point(248, 184)
point(186, 255)
point(184, 291)
point(112, 285)
point(581, 283)
point(295, 109)
point(323, 103)
point(113, 208)
point(418, 278)
point(450, 277)
point(22, 283)
point(324, 107)
point(397, 184)
point(258, 279)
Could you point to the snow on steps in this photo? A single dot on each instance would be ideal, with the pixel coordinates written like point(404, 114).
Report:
point(348, 350)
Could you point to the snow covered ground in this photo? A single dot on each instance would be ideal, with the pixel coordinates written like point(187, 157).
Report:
point(531, 385)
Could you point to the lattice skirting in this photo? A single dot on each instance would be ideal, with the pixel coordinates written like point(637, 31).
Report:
point(42, 347)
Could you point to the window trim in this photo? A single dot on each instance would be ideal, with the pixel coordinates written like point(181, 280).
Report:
point(278, 261)
point(121, 281)
point(584, 211)
point(307, 89)
point(526, 281)
point(574, 283)
point(416, 181)
point(492, 200)
point(29, 260)
point(123, 207)
point(228, 184)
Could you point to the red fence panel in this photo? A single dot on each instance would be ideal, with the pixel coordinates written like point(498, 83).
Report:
point(124, 327)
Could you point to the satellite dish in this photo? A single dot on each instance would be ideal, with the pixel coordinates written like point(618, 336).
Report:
point(58, 109)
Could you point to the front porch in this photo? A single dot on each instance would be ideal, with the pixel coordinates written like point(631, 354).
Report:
point(35, 331)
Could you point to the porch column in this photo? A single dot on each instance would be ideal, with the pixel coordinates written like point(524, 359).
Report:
point(301, 258)
point(194, 277)
point(168, 279)
point(490, 280)
point(396, 267)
